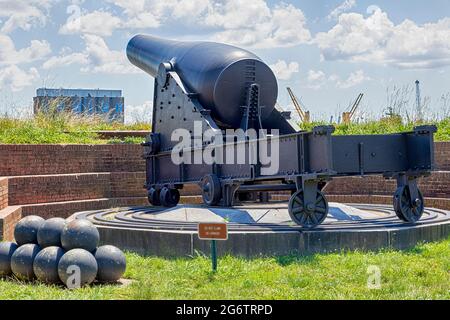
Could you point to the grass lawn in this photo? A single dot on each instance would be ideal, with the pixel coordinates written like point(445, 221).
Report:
point(420, 273)
point(385, 126)
point(68, 128)
point(62, 128)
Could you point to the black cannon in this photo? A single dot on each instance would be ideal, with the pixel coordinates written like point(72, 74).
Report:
point(222, 87)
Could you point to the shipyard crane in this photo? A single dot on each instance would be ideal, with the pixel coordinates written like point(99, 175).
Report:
point(348, 116)
point(305, 116)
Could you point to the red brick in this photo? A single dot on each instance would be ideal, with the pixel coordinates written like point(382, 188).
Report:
point(3, 193)
point(19, 160)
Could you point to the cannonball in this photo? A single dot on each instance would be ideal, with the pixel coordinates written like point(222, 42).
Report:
point(22, 261)
point(26, 230)
point(111, 263)
point(49, 234)
point(6, 251)
point(80, 234)
point(45, 264)
point(77, 268)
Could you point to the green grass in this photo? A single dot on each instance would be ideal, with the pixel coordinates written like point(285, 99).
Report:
point(67, 128)
point(420, 273)
point(384, 126)
point(63, 128)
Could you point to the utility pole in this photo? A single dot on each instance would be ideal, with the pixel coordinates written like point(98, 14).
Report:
point(418, 101)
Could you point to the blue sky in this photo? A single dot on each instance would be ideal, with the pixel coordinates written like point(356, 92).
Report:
point(327, 51)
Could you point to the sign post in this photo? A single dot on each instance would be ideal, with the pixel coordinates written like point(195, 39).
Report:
point(213, 232)
point(214, 255)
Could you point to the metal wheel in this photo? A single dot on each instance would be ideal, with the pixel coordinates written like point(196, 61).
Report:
point(407, 210)
point(211, 190)
point(308, 215)
point(153, 197)
point(169, 197)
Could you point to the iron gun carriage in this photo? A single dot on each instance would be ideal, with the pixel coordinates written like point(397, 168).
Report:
point(208, 88)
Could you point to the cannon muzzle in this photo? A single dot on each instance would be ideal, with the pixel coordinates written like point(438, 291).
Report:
point(220, 74)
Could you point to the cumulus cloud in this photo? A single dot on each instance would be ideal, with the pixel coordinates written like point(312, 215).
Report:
point(283, 70)
point(354, 79)
point(16, 79)
point(316, 79)
point(101, 59)
point(139, 113)
point(97, 57)
point(12, 75)
point(372, 8)
point(23, 14)
point(240, 22)
point(101, 23)
point(343, 7)
point(37, 50)
point(376, 39)
point(66, 60)
point(254, 24)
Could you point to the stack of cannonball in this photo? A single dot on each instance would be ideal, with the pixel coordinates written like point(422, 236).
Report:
point(55, 251)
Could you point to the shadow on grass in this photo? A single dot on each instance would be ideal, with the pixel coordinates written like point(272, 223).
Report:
point(295, 259)
point(302, 258)
point(60, 286)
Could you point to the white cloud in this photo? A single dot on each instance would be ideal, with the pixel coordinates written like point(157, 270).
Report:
point(317, 79)
point(9, 55)
point(354, 79)
point(240, 22)
point(254, 24)
point(372, 8)
point(23, 14)
point(97, 57)
point(283, 70)
point(376, 39)
point(16, 79)
point(101, 23)
point(101, 59)
point(343, 7)
point(66, 60)
point(142, 21)
point(12, 76)
point(141, 113)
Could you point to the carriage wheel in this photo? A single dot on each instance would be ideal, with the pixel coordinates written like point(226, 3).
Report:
point(169, 197)
point(308, 215)
point(153, 197)
point(407, 210)
point(211, 190)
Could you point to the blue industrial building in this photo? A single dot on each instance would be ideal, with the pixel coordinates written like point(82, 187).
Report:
point(109, 103)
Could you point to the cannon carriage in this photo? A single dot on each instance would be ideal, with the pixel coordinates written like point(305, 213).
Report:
point(208, 89)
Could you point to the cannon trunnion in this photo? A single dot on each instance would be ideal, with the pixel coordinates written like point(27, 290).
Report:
point(206, 89)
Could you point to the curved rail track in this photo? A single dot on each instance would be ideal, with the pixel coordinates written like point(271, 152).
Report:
point(146, 218)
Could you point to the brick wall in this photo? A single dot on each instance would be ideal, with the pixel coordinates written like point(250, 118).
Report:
point(128, 184)
point(17, 160)
point(20, 160)
point(8, 219)
point(3, 193)
point(72, 187)
point(442, 155)
point(42, 189)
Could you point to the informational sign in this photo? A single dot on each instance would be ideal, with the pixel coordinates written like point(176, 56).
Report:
point(212, 231)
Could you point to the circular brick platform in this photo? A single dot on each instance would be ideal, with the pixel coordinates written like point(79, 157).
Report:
point(263, 229)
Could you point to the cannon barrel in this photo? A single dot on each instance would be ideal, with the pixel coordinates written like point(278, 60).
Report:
point(220, 74)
